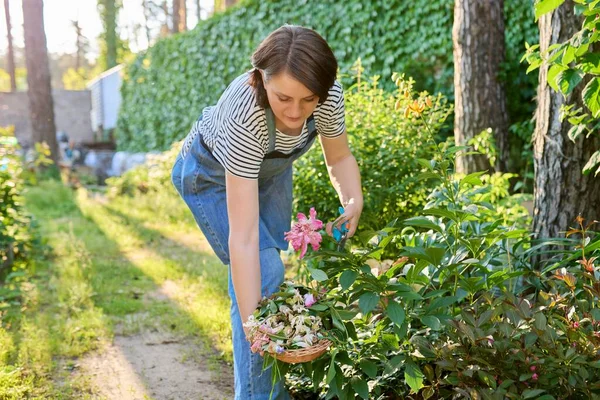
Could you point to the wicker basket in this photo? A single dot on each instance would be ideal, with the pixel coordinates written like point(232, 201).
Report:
point(304, 355)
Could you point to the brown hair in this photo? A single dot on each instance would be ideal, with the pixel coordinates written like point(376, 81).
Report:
point(299, 51)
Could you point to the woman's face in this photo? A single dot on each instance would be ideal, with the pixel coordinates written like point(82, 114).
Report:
point(291, 101)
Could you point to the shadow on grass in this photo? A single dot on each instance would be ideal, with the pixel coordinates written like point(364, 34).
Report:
point(113, 265)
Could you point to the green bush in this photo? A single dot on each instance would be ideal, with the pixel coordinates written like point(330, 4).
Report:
point(15, 236)
point(167, 86)
point(458, 311)
point(16, 232)
point(387, 146)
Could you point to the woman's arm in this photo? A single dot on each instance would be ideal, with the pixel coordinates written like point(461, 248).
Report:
point(243, 212)
point(345, 178)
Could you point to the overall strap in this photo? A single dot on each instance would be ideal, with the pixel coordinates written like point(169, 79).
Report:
point(271, 128)
point(312, 129)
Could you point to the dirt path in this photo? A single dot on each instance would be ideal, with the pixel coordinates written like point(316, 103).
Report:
point(152, 366)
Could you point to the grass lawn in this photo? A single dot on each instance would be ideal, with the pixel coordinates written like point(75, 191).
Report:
point(111, 267)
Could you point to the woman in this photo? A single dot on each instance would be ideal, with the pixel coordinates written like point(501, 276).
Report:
point(235, 173)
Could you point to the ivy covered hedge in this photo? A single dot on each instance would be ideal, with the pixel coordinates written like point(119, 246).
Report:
point(167, 86)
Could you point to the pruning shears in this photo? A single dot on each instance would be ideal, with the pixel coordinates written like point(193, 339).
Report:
point(340, 234)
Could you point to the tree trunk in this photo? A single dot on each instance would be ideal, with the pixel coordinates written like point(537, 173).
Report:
point(198, 10)
point(111, 33)
point(182, 16)
point(561, 191)
point(175, 23)
point(10, 55)
point(108, 13)
point(480, 100)
point(179, 16)
point(39, 92)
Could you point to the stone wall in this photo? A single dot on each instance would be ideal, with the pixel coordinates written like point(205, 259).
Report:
point(71, 114)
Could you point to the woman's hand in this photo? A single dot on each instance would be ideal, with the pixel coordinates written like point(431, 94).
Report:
point(351, 215)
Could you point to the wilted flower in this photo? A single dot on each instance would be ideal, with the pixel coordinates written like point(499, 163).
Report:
point(305, 232)
point(288, 325)
point(309, 299)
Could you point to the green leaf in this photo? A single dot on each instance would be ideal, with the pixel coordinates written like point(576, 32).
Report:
point(360, 387)
point(395, 312)
point(545, 6)
point(473, 179)
point(413, 376)
point(346, 315)
point(540, 321)
point(591, 97)
point(575, 131)
point(440, 212)
point(428, 392)
point(568, 55)
point(369, 368)
point(487, 378)
point(432, 322)
point(318, 371)
point(530, 339)
point(337, 320)
point(531, 393)
point(318, 274)
point(595, 314)
point(368, 301)
point(553, 74)
point(331, 372)
point(441, 302)
point(592, 162)
point(347, 278)
point(422, 222)
point(568, 79)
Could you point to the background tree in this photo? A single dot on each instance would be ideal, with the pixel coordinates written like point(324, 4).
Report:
point(82, 44)
point(10, 55)
point(39, 92)
point(561, 191)
point(179, 16)
point(480, 100)
point(108, 10)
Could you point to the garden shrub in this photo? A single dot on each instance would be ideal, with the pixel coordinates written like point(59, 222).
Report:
point(458, 311)
point(447, 304)
point(387, 147)
point(17, 235)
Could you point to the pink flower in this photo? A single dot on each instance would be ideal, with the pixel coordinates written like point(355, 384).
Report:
point(258, 341)
point(534, 377)
point(575, 324)
point(532, 368)
point(309, 299)
point(305, 232)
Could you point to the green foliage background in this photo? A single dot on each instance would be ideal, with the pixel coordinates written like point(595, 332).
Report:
point(167, 86)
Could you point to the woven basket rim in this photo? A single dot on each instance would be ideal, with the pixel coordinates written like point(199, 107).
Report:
point(306, 354)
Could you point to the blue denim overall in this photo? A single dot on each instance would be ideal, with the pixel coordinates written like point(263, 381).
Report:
point(200, 180)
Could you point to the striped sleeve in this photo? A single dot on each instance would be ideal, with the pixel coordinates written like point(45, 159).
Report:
point(240, 152)
point(330, 119)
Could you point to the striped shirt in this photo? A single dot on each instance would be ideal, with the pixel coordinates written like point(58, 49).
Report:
point(236, 128)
